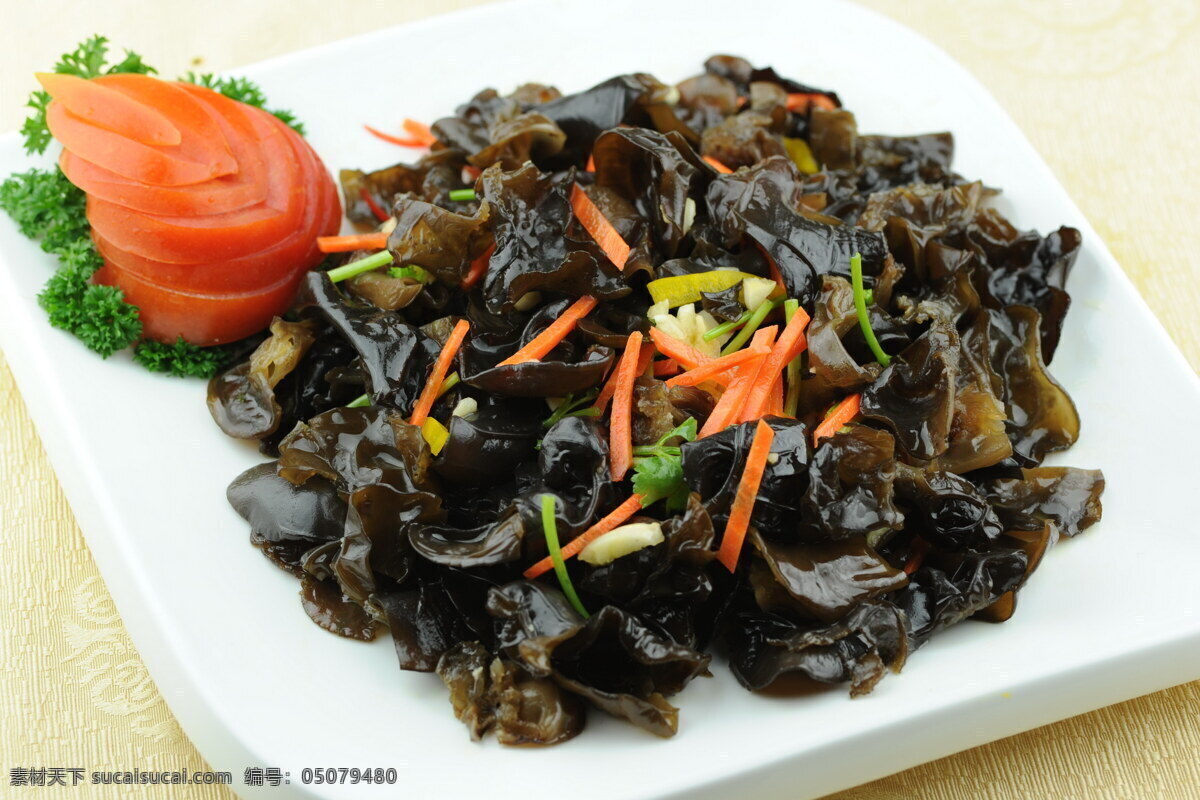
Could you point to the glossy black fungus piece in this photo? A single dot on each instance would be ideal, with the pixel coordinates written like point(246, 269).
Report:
point(545, 378)
point(584, 115)
point(760, 204)
point(328, 608)
point(489, 544)
point(432, 179)
point(438, 240)
point(486, 447)
point(611, 659)
point(945, 593)
point(657, 174)
point(828, 579)
point(712, 467)
point(948, 510)
point(914, 396)
point(858, 649)
point(537, 247)
point(242, 398)
point(492, 694)
point(851, 487)
point(1066, 496)
point(1041, 416)
point(427, 621)
point(514, 141)
point(394, 355)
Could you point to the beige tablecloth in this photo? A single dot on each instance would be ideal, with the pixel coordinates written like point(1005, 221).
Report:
point(1109, 92)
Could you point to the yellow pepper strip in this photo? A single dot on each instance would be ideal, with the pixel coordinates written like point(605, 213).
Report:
point(435, 434)
point(801, 155)
point(680, 289)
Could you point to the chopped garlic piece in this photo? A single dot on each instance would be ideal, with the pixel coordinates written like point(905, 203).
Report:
point(689, 214)
point(465, 407)
point(528, 301)
point(755, 291)
point(621, 542)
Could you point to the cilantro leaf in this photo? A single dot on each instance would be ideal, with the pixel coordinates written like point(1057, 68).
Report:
point(85, 61)
point(660, 477)
point(181, 359)
point(245, 91)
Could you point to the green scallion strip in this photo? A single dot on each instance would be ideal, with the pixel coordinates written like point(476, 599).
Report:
point(550, 529)
point(725, 327)
point(791, 400)
point(869, 294)
point(860, 305)
point(462, 195)
point(572, 406)
point(756, 319)
point(360, 402)
point(412, 272)
point(449, 383)
point(359, 267)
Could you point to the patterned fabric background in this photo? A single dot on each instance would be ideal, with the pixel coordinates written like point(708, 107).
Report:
point(1109, 93)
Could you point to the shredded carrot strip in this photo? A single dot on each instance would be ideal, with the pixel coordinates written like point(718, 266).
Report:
point(666, 368)
point(440, 367)
point(376, 209)
point(920, 548)
point(845, 411)
point(472, 172)
point(729, 407)
point(715, 367)
point(717, 165)
point(478, 268)
point(747, 492)
point(591, 164)
point(620, 424)
point(610, 385)
point(781, 354)
point(420, 132)
point(555, 332)
point(396, 140)
point(355, 241)
point(775, 404)
point(613, 519)
point(682, 352)
point(599, 228)
point(803, 101)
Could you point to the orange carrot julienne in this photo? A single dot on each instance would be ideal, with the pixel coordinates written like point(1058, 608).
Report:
point(620, 424)
point(747, 492)
point(599, 228)
point(716, 366)
point(717, 165)
point(610, 385)
point(472, 173)
point(591, 164)
point(729, 407)
point(803, 101)
point(612, 520)
point(396, 140)
point(420, 132)
point(666, 367)
point(554, 333)
point(440, 367)
point(920, 548)
point(355, 241)
point(682, 352)
point(845, 411)
point(478, 268)
point(376, 209)
point(775, 404)
point(781, 355)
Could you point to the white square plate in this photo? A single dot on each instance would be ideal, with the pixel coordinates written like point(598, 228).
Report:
point(1108, 616)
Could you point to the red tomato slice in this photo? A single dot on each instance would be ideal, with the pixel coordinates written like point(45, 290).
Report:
point(154, 165)
point(227, 193)
point(110, 109)
point(202, 138)
point(213, 237)
point(201, 319)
